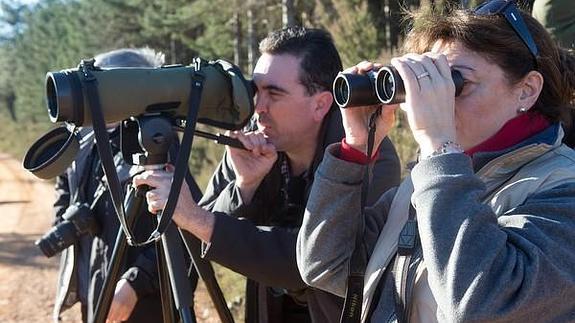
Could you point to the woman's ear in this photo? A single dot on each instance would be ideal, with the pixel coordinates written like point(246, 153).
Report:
point(323, 102)
point(530, 89)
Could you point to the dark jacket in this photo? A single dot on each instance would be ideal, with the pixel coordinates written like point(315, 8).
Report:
point(83, 264)
point(258, 240)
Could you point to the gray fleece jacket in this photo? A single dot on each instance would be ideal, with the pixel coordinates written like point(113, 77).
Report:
point(484, 263)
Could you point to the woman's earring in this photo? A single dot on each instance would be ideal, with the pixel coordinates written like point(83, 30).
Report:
point(522, 110)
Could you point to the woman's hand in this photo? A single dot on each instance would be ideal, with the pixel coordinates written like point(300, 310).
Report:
point(356, 119)
point(430, 99)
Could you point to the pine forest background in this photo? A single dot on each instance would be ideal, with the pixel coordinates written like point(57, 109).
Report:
point(47, 35)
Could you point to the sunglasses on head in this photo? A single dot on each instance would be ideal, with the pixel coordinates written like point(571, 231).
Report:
point(509, 10)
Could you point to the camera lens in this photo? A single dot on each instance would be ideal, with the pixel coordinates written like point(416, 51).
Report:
point(78, 221)
point(57, 239)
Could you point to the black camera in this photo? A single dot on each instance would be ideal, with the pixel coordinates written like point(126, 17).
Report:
point(382, 87)
point(78, 220)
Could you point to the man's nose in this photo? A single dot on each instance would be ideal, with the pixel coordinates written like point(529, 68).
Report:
point(261, 105)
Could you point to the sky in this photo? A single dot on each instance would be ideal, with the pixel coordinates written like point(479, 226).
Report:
point(4, 30)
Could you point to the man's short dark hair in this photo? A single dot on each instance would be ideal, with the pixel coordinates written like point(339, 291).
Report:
point(320, 61)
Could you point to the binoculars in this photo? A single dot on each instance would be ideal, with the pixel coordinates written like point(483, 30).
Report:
point(384, 86)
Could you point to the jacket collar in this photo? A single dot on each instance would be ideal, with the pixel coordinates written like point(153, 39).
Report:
point(505, 162)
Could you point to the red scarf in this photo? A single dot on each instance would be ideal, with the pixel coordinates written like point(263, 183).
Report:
point(513, 132)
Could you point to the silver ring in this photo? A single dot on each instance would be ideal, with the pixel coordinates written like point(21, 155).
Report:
point(422, 75)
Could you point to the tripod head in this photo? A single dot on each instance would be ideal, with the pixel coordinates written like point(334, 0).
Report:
point(146, 140)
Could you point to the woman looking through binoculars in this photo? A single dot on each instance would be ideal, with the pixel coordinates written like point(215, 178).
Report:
point(488, 209)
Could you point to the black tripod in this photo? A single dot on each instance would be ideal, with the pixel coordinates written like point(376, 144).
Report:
point(147, 141)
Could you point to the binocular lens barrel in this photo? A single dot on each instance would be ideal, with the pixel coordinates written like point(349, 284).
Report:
point(389, 86)
point(382, 87)
point(350, 90)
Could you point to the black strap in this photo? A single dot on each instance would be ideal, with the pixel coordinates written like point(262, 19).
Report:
point(103, 144)
point(95, 166)
point(405, 249)
point(104, 149)
point(351, 312)
point(181, 166)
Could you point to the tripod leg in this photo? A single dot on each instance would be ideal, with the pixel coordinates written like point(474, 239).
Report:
point(174, 256)
point(206, 273)
point(204, 267)
point(165, 291)
point(133, 204)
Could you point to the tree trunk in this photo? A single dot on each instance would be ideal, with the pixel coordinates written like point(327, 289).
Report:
point(395, 32)
point(288, 13)
point(237, 36)
point(252, 37)
point(173, 58)
point(10, 100)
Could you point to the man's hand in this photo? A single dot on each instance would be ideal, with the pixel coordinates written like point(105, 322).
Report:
point(253, 164)
point(123, 303)
point(160, 182)
point(187, 214)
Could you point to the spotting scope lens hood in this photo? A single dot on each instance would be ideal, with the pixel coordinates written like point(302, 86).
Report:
point(52, 153)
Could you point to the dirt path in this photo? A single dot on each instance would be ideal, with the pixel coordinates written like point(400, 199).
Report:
point(27, 278)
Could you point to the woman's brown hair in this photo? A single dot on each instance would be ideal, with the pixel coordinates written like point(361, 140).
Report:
point(493, 38)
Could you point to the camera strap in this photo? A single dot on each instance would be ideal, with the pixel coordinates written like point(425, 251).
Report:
point(351, 312)
point(100, 190)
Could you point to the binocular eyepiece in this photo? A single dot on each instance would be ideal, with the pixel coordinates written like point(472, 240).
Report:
point(376, 87)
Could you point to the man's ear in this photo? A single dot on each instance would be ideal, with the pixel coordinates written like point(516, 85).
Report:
point(323, 102)
point(530, 89)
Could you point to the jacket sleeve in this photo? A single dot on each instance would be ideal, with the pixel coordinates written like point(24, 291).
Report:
point(326, 239)
point(484, 268)
point(62, 201)
point(141, 262)
point(264, 254)
point(385, 172)
point(236, 242)
point(221, 194)
point(143, 274)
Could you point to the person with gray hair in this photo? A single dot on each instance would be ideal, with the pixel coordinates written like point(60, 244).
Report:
point(84, 264)
point(130, 57)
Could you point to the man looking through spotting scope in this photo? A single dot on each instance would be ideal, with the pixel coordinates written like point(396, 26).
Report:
point(254, 203)
point(84, 263)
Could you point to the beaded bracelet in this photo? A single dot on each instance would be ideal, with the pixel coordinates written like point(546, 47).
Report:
point(448, 147)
